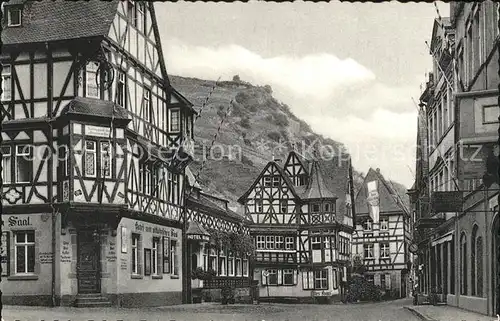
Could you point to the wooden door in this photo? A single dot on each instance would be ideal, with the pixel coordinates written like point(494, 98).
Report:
point(88, 262)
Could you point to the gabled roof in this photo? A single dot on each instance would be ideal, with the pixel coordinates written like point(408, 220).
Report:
point(389, 198)
point(302, 159)
point(282, 174)
point(45, 21)
point(316, 189)
point(211, 206)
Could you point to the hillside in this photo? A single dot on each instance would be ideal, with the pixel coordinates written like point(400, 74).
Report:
point(256, 125)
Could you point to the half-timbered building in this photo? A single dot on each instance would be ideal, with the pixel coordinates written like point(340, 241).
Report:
point(94, 144)
point(301, 222)
point(214, 259)
point(382, 234)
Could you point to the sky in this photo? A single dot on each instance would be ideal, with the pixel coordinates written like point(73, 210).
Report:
point(350, 70)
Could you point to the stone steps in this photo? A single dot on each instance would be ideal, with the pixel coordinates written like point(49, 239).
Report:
point(94, 300)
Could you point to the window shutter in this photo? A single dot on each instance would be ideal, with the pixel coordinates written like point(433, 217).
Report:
point(295, 277)
point(387, 281)
point(263, 278)
point(280, 277)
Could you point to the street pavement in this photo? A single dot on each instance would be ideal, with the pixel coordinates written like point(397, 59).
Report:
point(447, 313)
point(384, 311)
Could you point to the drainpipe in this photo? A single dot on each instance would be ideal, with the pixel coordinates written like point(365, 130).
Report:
point(51, 178)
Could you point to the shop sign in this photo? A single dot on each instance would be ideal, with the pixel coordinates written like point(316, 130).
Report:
point(164, 231)
point(66, 252)
point(45, 257)
point(97, 131)
point(322, 293)
point(16, 221)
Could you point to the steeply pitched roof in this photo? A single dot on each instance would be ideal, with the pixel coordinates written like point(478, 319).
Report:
point(316, 189)
point(283, 175)
point(192, 179)
point(61, 20)
point(94, 107)
point(389, 198)
point(336, 178)
point(211, 206)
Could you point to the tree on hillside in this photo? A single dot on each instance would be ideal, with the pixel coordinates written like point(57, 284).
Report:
point(236, 78)
point(268, 89)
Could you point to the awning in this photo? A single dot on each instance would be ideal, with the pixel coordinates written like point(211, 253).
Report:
point(196, 232)
point(448, 237)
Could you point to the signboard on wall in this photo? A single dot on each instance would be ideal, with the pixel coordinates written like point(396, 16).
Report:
point(472, 160)
point(97, 131)
point(442, 202)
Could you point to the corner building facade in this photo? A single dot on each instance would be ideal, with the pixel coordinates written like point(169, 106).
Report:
point(95, 142)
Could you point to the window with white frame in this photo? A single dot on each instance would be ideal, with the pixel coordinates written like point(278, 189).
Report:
point(173, 258)
point(368, 251)
point(92, 89)
point(315, 208)
point(174, 120)
point(384, 224)
point(289, 243)
point(90, 158)
point(222, 263)
point(279, 242)
point(24, 252)
point(6, 82)
point(270, 242)
point(135, 254)
point(230, 265)
point(267, 181)
point(154, 256)
point(321, 279)
point(276, 181)
point(24, 163)
point(245, 267)
point(384, 251)
point(14, 15)
point(316, 242)
point(238, 267)
point(272, 278)
point(261, 242)
point(122, 90)
point(212, 260)
point(6, 164)
point(367, 225)
point(490, 114)
point(288, 277)
point(146, 105)
point(105, 159)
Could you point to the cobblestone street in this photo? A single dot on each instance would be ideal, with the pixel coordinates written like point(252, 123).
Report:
point(386, 311)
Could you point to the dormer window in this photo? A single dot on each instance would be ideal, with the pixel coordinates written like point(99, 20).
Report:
point(14, 17)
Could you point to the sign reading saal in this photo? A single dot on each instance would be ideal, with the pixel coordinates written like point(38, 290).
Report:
point(450, 201)
point(97, 131)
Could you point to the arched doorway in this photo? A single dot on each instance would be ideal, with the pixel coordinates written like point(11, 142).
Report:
point(496, 265)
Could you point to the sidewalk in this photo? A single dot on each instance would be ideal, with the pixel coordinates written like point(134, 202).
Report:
point(446, 313)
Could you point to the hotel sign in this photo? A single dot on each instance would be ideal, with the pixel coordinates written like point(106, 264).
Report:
point(442, 202)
